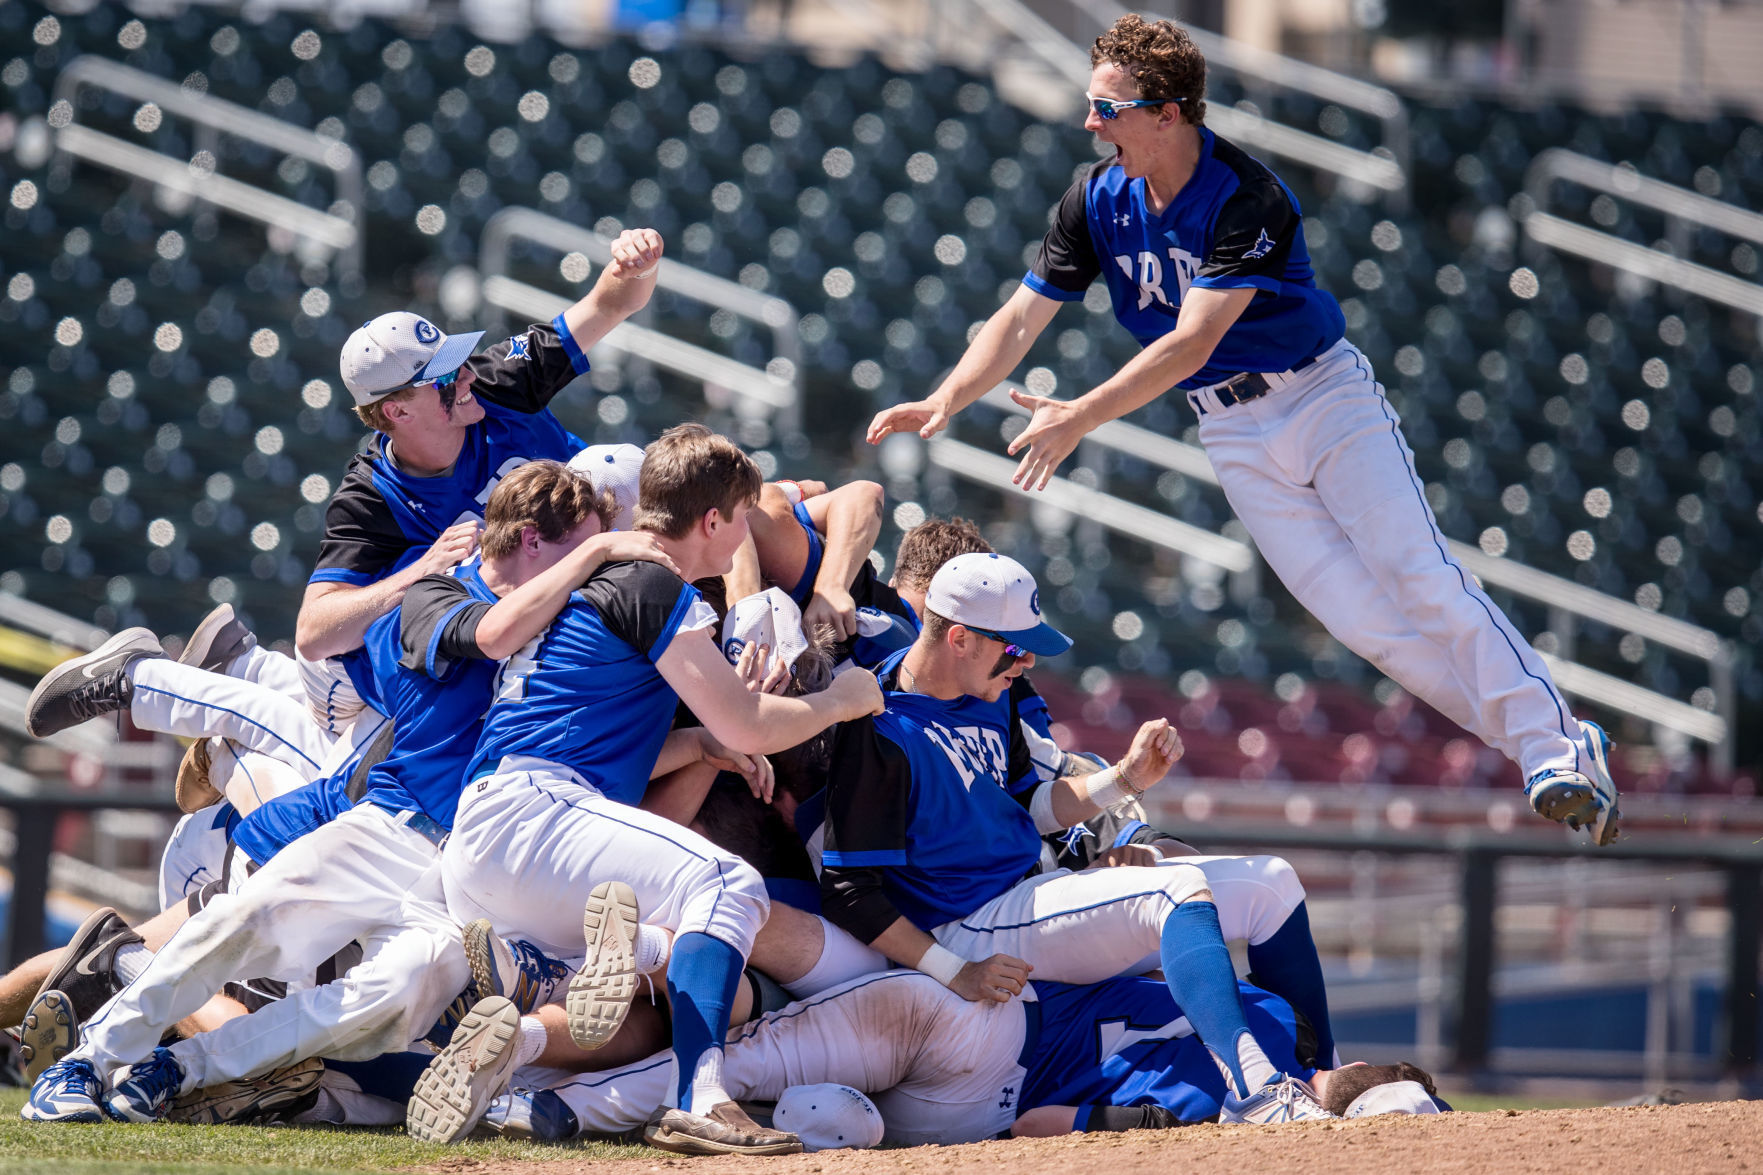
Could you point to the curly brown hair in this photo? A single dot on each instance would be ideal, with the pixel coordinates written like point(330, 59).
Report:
point(548, 496)
point(1161, 59)
point(1345, 1085)
point(932, 543)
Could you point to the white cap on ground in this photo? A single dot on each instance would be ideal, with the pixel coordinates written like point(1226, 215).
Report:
point(828, 1117)
point(768, 618)
point(1393, 1097)
point(618, 468)
point(997, 596)
point(398, 349)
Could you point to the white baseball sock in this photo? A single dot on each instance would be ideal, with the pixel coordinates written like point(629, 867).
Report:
point(532, 1041)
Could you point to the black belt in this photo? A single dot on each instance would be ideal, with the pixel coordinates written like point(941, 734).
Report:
point(1251, 385)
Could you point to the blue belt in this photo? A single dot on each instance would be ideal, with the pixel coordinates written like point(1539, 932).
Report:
point(430, 830)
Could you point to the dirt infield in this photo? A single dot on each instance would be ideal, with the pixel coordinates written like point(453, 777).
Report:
point(1684, 1140)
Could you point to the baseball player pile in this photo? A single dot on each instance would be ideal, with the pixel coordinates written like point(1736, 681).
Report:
point(611, 790)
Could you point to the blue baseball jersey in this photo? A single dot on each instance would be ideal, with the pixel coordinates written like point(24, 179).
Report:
point(382, 518)
point(586, 693)
point(920, 794)
point(280, 821)
point(1125, 1042)
point(1233, 226)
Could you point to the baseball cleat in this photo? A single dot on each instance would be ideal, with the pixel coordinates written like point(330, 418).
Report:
point(274, 1097)
point(601, 992)
point(217, 641)
point(68, 1091)
point(146, 1089)
point(459, 1084)
point(195, 788)
point(1284, 1099)
point(90, 686)
point(538, 1115)
point(85, 972)
point(49, 1032)
point(513, 968)
point(1578, 800)
point(725, 1130)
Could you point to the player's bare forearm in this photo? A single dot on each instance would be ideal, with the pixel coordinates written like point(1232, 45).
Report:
point(678, 794)
point(853, 518)
point(758, 724)
point(334, 617)
point(623, 288)
point(904, 943)
point(995, 352)
point(744, 578)
point(1205, 315)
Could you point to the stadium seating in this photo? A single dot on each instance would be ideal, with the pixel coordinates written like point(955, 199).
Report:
point(1586, 425)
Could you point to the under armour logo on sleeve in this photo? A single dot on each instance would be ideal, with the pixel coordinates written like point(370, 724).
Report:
point(1262, 247)
point(1124, 219)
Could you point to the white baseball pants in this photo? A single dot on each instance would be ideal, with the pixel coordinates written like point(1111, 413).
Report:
point(530, 842)
point(194, 855)
point(1078, 927)
point(181, 699)
point(1319, 472)
point(365, 876)
point(939, 1068)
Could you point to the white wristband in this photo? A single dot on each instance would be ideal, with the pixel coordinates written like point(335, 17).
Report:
point(941, 965)
point(1106, 788)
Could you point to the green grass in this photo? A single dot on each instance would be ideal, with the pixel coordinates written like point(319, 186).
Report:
point(32, 1148)
point(1482, 1102)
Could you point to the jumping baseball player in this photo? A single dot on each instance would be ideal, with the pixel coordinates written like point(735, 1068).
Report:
point(369, 874)
point(581, 714)
point(447, 427)
point(1202, 249)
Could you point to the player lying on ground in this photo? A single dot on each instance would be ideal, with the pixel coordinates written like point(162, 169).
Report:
point(579, 718)
point(1115, 1055)
point(1202, 250)
point(367, 875)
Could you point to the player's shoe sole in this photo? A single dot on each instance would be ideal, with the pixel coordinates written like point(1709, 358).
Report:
point(681, 1133)
point(49, 1032)
point(600, 994)
point(459, 1084)
point(195, 788)
point(1605, 829)
point(272, 1097)
point(480, 955)
point(218, 639)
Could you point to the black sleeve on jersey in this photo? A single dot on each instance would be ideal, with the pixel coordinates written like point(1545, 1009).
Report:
point(1253, 233)
point(524, 371)
point(1112, 1118)
point(1067, 260)
point(868, 591)
point(635, 599)
point(868, 809)
point(437, 625)
point(361, 537)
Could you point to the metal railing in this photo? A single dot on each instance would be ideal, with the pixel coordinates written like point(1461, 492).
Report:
point(1682, 209)
point(1568, 602)
point(337, 230)
point(1384, 171)
point(773, 390)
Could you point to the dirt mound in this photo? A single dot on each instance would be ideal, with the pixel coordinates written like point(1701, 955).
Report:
point(1686, 1140)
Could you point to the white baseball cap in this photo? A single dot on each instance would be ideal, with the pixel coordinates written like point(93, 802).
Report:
point(828, 1117)
point(995, 595)
point(618, 468)
point(398, 349)
point(1393, 1097)
point(767, 618)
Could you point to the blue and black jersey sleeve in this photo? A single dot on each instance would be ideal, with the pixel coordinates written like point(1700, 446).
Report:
point(1067, 262)
point(438, 625)
point(642, 604)
point(362, 538)
point(525, 371)
point(1252, 239)
point(1023, 780)
point(868, 812)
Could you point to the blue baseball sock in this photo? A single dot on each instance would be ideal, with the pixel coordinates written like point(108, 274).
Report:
point(702, 978)
point(1198, 970)
point(1286, 965)
point(392, 1076)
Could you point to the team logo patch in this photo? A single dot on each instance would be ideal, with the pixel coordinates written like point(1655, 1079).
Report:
point(517, 347)
point(426, 332)
point(1034, 601)
point(1262, 247)
point(732, 648)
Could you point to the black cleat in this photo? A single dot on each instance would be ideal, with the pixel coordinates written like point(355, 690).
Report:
point(217, 641)
point(49, 1032)
point(90, 686)
point(86, 971)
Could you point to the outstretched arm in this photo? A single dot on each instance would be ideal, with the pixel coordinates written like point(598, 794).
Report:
point(622, 289)
point(1058, 425)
